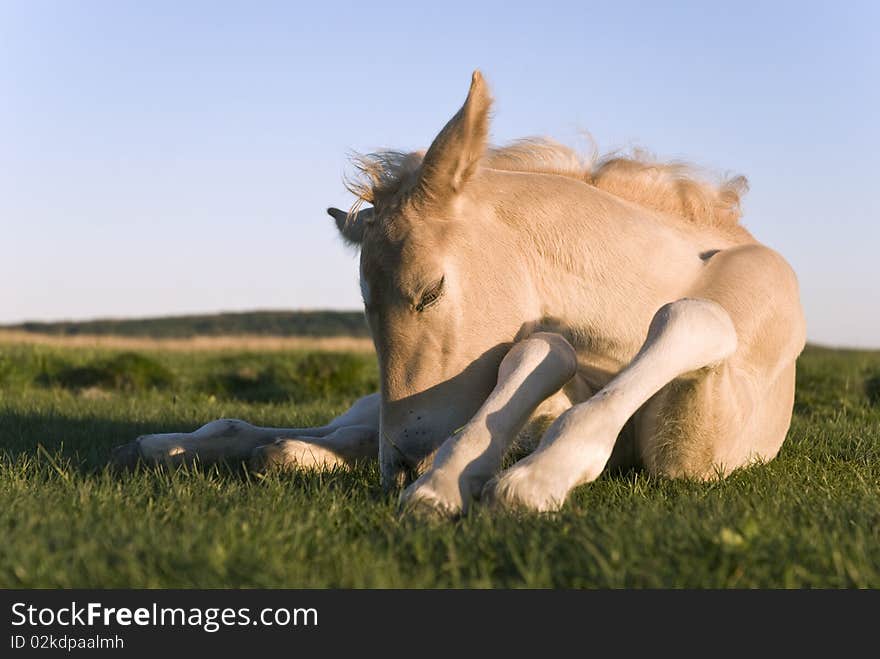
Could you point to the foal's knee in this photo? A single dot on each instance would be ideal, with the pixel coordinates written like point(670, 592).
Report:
point(699, 328)
point(546, 354)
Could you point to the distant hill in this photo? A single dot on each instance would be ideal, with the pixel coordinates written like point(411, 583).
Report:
point(264, 323)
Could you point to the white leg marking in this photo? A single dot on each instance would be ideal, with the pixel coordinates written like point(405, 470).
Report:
point(231, 439)
point(531, 372)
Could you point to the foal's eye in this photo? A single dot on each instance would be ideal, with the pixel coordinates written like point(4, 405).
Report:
point(430, 296)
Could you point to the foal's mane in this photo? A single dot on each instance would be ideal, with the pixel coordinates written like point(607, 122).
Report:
point(673, 187)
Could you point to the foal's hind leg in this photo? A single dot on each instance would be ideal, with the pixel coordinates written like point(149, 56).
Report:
point(740, 412)
point(347, 438)
point(685, 338)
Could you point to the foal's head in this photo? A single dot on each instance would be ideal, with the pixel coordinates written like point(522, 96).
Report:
point(443, 296)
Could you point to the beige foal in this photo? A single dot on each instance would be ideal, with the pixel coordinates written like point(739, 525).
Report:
point(621, 298)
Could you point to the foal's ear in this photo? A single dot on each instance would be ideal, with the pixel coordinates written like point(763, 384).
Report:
point(457, 150)
point(351, 226)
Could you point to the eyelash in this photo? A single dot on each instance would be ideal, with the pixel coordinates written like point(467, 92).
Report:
point(430, 298)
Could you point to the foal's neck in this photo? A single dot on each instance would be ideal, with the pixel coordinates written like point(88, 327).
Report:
point(601, 266)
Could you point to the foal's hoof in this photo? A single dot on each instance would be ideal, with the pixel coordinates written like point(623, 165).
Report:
point(513, 490)
point(268, 457)
point(419, 500)
point(286, 454)
point(126, 456)
point(429, 508)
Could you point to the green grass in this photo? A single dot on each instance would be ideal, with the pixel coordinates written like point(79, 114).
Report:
point(809, 518)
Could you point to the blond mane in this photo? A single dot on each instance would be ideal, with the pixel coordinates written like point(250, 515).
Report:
point(676, 188)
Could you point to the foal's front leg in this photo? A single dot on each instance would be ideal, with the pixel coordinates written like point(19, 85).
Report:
point(349, 437)
point(685, 337)
point(530, 373)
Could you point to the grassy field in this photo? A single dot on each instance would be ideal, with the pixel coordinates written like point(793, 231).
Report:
point(809, 518)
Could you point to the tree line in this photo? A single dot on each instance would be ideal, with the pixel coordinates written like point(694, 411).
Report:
point(265, 323)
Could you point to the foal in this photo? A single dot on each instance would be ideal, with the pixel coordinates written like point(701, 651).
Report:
point(509, 288)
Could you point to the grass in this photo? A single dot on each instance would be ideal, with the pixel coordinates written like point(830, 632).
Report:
point(809, 518)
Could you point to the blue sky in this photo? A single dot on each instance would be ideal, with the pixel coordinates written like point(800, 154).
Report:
point(167, 157)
